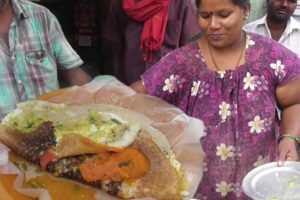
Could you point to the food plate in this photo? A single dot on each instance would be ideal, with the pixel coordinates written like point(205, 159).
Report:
point(270, 182)
point(182, 132)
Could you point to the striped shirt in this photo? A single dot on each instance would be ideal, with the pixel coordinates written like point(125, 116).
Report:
point(36, 47)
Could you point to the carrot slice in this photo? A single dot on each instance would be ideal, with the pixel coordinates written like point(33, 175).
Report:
point(128, 164)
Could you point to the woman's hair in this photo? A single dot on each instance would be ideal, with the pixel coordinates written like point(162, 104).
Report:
point(241, 3)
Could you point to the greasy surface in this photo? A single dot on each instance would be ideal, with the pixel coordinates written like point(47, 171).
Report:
point(59, 189)
point(162, 180)
point(7, 192)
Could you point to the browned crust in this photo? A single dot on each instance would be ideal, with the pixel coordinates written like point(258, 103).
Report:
point(162, 181)
point(29, 145)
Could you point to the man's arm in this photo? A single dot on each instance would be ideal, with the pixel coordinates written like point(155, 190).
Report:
point(75, 76)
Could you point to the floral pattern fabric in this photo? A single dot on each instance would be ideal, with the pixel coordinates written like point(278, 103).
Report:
point(238, 108)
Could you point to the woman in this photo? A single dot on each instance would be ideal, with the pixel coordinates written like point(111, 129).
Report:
point(233, 81)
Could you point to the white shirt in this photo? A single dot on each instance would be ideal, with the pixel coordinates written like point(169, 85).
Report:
point(297, 10)
point(290, 37)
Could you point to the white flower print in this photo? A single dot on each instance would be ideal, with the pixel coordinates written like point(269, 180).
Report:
point(222, 73)
point(256, 125)
point(172, 83)
point(224, 188)
point(278, 68)
point(224, 151)
point(260, 161)
point(249, 42)
point(168, 84)
point(237, 189)
point(249, 82)
point(224, 111)
point(195, 88)
point(199, 88)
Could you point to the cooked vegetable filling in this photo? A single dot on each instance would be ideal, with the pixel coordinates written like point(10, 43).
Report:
point(97, 126)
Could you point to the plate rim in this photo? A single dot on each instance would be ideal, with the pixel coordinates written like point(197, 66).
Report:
point(246, 183)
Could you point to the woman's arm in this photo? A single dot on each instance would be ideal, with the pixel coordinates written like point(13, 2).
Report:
point(138, 87)
point(288, 99)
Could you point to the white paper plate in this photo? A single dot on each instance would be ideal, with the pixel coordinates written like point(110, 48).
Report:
point(270, 182)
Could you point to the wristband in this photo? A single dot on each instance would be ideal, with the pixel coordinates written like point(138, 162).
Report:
point(293, 137)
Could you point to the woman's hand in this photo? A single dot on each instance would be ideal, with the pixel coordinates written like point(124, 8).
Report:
point(287, 151)
point(288, 100)
point(138, 87)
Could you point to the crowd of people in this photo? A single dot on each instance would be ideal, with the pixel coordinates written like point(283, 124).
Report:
point(178, 51)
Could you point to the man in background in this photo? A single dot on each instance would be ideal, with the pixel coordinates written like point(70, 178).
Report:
point(143, 31)
point(32, 49)
point(279, 24)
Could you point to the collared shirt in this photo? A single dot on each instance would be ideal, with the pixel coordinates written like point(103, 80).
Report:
point(297, 10)
point(36, 48)
point(296, 14)
point(290, 37)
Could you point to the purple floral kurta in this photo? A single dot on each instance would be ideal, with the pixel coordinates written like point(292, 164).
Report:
point(238, 108)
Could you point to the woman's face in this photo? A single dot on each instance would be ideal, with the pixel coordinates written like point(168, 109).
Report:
point(221, 22)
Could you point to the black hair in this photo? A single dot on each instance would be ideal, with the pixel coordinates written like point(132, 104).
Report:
point(240, 3)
